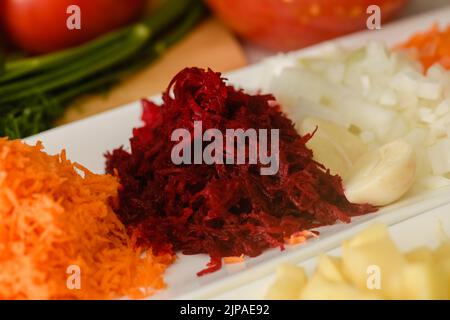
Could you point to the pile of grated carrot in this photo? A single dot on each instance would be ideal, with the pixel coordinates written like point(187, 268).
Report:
point(59, 235)
point(430, 47)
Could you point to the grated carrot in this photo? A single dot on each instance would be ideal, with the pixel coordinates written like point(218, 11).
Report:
point(300, 237)
point(55, 214)
point(235, 259)
point(295, 239)
point(430, 47)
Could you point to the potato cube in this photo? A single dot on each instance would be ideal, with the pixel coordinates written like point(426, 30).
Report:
point(331, 269)
point(319, 288)
point(371, 256)
point(421, 254)
point(423, 280)
point(289, 283)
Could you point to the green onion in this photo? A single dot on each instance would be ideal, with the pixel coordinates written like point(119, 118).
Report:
point(35, 90)
point(151, 54)
point(2, 63)
point(77, 70)
point(158, 21)
point(20, 68)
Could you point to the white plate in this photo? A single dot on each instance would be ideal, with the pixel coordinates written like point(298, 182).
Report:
point(87, 140)
point(424, 230)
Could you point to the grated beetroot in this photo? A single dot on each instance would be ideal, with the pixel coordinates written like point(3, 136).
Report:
point(220, 210)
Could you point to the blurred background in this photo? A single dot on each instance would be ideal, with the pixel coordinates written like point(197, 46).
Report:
point(409, 8)
point(52, 72)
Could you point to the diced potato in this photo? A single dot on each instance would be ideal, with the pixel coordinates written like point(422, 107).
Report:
point(422, 254)
point(319, 288)
point(289, 283)
point(442, 257)
point(442, 253)
point(331, 269)
point(373, 248)
point(423, 280)
point(371, 267)
point(372, 234)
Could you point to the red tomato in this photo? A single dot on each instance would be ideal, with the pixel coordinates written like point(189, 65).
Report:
point(292, 24)
point(39, 26)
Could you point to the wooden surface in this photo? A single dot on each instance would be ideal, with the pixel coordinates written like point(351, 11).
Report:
point(209, 45)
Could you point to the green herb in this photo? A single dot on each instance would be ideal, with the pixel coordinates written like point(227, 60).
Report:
point(2, 63)
point(34, 91)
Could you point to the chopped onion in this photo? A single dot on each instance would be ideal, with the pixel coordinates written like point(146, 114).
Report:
point(383, 94)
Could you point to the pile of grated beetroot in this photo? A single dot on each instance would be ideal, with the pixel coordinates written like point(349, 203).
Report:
point(220, 210)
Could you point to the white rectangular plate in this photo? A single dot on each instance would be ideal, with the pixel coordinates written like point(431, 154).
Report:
point(426, 229)
point(87, 140)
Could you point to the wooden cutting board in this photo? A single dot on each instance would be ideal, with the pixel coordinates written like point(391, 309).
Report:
point(209, 45)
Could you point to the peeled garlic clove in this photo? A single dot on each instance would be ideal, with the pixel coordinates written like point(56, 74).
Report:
point(382, 176)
